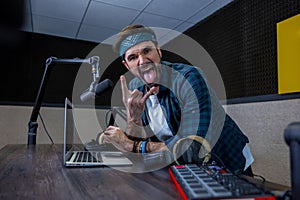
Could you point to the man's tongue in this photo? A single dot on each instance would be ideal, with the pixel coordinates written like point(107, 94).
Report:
point(149, 76)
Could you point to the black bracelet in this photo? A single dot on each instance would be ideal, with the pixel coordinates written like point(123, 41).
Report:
point(134, 147)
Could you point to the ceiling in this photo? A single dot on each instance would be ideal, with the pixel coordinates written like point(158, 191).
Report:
point(100, 20)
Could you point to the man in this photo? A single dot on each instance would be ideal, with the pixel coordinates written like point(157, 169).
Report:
point(168, 102)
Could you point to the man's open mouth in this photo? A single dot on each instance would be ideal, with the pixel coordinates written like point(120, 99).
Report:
point(148, 72)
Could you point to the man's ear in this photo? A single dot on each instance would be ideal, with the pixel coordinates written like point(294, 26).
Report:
point(159, 51)
point(125, 64)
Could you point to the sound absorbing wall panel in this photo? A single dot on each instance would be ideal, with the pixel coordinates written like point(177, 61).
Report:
point(241, 38)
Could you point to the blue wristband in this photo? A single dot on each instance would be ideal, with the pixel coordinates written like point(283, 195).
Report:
point(144, 143)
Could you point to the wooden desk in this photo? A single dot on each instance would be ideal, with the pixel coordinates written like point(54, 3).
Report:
point(37, 172)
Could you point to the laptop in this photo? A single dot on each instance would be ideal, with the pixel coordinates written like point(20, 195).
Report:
point(75, 155)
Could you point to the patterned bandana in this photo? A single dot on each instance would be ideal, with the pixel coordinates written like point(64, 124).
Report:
point(134, 39)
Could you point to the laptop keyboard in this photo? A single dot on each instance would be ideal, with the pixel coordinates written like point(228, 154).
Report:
point(86, 156)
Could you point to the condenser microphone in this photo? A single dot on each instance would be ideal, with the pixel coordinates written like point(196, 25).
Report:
point(87, 96)
point(97, 90)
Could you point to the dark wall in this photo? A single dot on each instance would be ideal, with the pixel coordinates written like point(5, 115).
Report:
point(23, 66)
point(241, 39)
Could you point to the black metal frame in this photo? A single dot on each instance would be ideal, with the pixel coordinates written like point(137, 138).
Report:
point(33, 124)
point(292, 138)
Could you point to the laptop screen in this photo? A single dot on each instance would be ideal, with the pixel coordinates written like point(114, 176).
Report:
point(68, 126)
point(72, 141)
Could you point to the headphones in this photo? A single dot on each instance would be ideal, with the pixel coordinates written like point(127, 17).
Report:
point(198, 139)
point(100, 138)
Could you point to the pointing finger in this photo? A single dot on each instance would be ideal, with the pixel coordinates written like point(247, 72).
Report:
point(125, 91)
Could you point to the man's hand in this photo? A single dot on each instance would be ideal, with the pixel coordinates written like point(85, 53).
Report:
point(116, 136)
point(134, 102)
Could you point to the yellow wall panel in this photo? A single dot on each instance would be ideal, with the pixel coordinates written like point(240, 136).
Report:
point(288, 51)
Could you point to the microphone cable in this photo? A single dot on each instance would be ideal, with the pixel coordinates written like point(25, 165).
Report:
point(44, 126)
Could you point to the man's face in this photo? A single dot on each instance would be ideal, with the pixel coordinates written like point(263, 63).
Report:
point(143, 60)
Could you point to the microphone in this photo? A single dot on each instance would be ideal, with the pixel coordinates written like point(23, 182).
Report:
point(100, 88)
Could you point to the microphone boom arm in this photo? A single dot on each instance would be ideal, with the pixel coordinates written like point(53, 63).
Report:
point(32, 124)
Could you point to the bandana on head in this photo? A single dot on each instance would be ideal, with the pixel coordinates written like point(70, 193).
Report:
point(134, 39)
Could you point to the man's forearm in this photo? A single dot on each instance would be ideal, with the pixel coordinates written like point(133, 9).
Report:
point(156, 146)
point(135, 130)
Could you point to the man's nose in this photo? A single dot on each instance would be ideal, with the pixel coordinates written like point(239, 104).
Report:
point(142, 58)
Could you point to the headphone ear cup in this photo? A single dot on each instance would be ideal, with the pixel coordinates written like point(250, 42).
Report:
point(191, 149)
point(203, 152)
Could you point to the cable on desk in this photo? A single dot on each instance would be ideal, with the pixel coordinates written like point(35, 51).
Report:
point(45, 128)
point(106, 117)
point(219, 161)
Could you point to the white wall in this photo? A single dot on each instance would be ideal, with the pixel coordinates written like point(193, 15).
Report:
point(264, 124)
point(14, 124)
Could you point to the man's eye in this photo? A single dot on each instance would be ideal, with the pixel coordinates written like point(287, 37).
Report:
point(147, 50)
point(131, 58)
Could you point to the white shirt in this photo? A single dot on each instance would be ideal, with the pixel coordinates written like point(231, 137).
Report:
point(157, 120)
point(248, 156)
